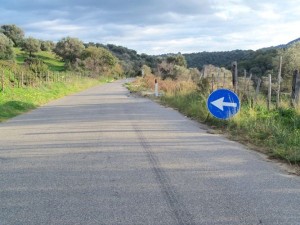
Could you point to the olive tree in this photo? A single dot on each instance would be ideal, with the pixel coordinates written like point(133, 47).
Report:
point(31, 45)
point(98, 60)
point(14, 33)
point(6, 48)
point(70, 49)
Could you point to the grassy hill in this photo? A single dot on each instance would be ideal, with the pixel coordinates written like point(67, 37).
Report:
point(53, 62)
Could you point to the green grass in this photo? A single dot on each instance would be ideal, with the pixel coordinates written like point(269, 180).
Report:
point(53, 62)
point(275, 132)
point(15, 101)
point(35, 92)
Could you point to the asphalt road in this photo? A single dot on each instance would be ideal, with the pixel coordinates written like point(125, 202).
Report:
point(104, 157)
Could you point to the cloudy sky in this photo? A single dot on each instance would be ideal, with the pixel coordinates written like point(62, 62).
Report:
point(160, 26)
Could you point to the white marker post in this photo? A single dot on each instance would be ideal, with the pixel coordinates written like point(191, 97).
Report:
point(156, 88)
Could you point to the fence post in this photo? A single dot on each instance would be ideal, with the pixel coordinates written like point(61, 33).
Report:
point(11, 80)
point(278, 83)
point(248, 88)
point(269, 91)
point(245, 81)
point(47, 77)
point(296, 89)
point(2, 78)
point(257, 88)
point(22, 79)
point(234, 76)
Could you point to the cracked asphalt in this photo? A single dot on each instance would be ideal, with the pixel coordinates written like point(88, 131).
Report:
point(105, 157)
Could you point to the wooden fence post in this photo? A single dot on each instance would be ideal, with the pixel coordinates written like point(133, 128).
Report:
point(11, 79)
point(296, 89)
point(234, 76)
point(257, 88)
point(2, 78)
point(22, 79)
point(278, 83)
point(269, 91)
point(248, 84)
point(47, 77)
point(245, 81)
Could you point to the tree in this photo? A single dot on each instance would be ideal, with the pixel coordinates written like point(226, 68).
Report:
point(290, 62)
point(147, 70)
point(6, 47)
point(69, 49)
point(31, 45)
point(47, 45)
point(98, 59)
point(291, 59)
point(178, 60)
point(14, 33)
point(173, 66)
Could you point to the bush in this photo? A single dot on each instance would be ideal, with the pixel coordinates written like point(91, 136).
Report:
point(37, 66)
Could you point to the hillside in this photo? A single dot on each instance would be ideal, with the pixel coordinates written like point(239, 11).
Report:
point(222, 59)
point(53, 62)
point(258, 62)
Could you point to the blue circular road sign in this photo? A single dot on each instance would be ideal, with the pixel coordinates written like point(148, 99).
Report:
point(223, 104)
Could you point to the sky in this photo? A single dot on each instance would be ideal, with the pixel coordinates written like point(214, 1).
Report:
point(159, 26)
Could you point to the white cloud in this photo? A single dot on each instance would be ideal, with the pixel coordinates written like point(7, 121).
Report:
point(269, 12)
point(160, 26)
point(54, 25)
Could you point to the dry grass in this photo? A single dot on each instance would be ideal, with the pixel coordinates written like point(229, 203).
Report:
point(167, 87)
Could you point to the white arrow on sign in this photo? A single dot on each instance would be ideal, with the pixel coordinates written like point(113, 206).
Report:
point(219, 103)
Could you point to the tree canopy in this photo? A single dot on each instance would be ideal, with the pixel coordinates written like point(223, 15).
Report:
point(31, 45)
point(69, 49)
point(98, 60)
point(6, 48)
point(14, 33)
point(47, 45)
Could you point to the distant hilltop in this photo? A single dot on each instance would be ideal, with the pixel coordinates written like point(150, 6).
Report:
point(283, 45)
point(258, 62)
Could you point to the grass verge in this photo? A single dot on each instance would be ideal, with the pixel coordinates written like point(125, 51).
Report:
point(15, 101)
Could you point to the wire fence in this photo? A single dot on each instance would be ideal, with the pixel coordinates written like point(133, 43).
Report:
point(24, 78)
point(252, 88)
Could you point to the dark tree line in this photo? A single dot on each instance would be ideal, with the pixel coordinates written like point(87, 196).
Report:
point(259, 62)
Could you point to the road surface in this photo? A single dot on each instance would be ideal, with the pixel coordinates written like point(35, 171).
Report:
point(104, 157)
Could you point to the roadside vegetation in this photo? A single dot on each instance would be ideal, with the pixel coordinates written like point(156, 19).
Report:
point(15, 101)
point(34, 72)
point(274, 131)
point(19, 97)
